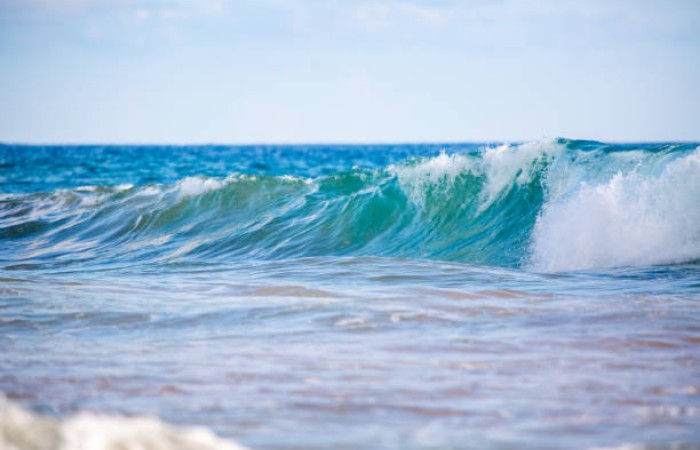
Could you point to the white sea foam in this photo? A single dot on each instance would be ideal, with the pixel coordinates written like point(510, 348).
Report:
point(88, 188)
point(513, 164)
point(193, 186)
point(123, 187)
point(417, 179)
point(501, 167)
point(294, 179)
point(148, 191)
point(22, 430)
point(633, 218)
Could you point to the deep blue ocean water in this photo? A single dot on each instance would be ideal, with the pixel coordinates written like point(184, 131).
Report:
point(536, 295)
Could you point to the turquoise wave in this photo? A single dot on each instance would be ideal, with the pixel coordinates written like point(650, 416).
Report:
point(548, 205)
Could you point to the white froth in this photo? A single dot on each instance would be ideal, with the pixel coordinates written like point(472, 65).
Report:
point(436, 172)
point(508, 164)
point(123, 187)
point(148, 191)
point(501, 167)
point(193, 186)
point(631, 219)
point(294, 179)
point(22, 430)
point(87, 188)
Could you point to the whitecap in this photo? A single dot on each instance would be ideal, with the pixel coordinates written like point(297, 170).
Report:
point(631, 219)
point(23, 430)
point(193, 186)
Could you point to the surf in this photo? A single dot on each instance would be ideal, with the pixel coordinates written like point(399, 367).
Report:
point(551, 205)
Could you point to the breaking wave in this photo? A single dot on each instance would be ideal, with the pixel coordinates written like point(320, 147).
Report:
point(23, 430)
point(551, 205)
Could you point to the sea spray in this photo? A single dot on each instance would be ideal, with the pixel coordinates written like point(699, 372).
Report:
point(646, 215)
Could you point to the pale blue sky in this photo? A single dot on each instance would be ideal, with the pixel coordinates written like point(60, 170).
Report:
point(273, 71)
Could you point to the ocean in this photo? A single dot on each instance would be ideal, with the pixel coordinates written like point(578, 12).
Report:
point(441, 296)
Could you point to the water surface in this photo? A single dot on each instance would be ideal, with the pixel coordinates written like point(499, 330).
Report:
point(540, 295)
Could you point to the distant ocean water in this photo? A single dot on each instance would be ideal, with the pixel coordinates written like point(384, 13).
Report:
point(536, 295)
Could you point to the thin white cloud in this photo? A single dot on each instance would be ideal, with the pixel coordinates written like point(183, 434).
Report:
point(394, 13)
point(373, 15)
point(429, 15)
point(142, 14)
point(142, 10)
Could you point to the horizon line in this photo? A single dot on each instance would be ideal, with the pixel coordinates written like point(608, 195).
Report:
point(331, 143)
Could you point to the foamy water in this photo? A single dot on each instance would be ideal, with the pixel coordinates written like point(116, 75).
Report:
point(22, 430)
point(634, 218)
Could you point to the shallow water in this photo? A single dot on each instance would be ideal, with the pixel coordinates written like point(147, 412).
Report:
point(357, 297)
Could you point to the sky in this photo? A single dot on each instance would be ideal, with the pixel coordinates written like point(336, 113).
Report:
point(342, 71)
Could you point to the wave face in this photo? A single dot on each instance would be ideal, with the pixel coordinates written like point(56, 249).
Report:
point(551, 205)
